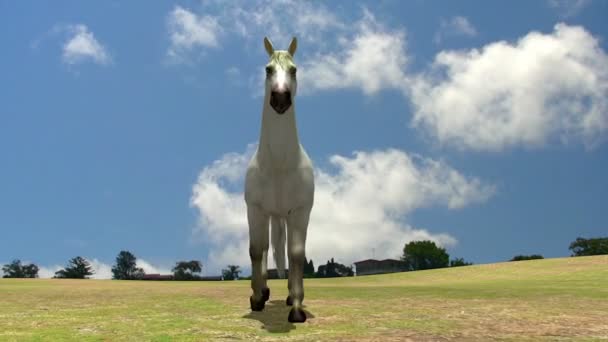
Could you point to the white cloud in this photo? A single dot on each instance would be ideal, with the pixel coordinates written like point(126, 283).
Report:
point(371, 60)
point(235, 76)
point(544, 86)
point(216, 203)
point(568, 8)
point(189, 31)
point(82, 46)
point(462, 26)
point(233, 72)
point(456, 26)
point(151, 269)
point(360, 206)
point(48, 271)
point(279, 20)
point(101, 270)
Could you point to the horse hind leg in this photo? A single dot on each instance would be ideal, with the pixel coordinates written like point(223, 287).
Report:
point(277, 236)
point(265, 289)
point(258, 248)
point(289, 300)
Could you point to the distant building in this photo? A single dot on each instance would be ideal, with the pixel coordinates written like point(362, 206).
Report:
point(372, 266)
point(156, 276)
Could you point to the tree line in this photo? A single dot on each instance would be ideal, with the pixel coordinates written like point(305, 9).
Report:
point(417, 255)
point(125, 268)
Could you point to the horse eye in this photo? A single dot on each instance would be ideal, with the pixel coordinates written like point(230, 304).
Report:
point(269, 70)
point(293, 71)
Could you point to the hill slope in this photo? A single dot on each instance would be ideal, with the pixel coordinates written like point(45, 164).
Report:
point(527, 300)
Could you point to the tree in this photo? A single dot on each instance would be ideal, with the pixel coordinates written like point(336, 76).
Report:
point(309, 268)
point(334, 269)
point(232, 272)
point(30, 271)
point(424, 255)
point(16, 270)
point(78, 268)
point(185, 270)
point(526, 257)
point(459, 262)
point(13, 270)
point(583, 247)
point(126, 267)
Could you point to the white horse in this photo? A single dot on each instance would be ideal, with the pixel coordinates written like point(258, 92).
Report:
point(279, 186)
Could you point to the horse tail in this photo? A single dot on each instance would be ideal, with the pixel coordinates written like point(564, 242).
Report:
point(277, 236)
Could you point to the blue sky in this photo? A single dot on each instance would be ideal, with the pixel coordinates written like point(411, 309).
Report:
point(480, 125)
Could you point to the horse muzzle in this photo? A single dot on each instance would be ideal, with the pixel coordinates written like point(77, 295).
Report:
point(280, 101)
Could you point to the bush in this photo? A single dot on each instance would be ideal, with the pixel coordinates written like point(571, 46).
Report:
point(459, 262)
point(526, 257)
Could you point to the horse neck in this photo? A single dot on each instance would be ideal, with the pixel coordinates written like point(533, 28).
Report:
point(279, 143)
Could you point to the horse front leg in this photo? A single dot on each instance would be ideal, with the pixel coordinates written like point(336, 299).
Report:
point(297, 225)
point(258, 250)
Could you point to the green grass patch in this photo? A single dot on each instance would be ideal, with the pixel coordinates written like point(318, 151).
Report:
point(548, 299)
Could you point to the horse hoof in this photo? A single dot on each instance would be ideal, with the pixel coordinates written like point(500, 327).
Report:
point(289, 301)
point(296, 316)
point(255, 305)
point(265, 294)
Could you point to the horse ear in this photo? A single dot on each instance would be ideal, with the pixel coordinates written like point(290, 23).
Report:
point(293, 46)
point(268, 46)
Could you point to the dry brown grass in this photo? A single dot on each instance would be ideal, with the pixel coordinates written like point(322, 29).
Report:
point(552, 299)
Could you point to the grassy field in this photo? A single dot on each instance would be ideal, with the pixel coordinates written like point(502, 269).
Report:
point(551, 299)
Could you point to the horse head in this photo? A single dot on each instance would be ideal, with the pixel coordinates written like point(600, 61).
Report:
point(281, 82)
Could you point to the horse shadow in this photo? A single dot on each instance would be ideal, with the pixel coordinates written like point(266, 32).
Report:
point(274, 317)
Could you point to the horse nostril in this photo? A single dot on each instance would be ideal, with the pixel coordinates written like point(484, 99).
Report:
point(281, 95)
point(280, 101)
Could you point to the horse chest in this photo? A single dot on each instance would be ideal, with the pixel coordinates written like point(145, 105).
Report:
point(279, 192)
